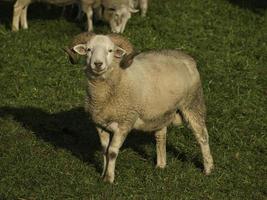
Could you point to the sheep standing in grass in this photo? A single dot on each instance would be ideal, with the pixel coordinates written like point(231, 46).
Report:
point(21, 6)
point(118, 12)
point(147, 92)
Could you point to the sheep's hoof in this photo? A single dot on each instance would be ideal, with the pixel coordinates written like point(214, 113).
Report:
point(143, 15)
point(162, 166)
point(14, 29)
point(90, 30)
point(108, 179)
point(208, 170)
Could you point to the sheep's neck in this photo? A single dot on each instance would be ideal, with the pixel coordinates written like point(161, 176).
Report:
point(100, 92)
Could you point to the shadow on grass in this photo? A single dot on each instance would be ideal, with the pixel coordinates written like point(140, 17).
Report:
point(68, 129)
point(73, 131)
point(257, 6)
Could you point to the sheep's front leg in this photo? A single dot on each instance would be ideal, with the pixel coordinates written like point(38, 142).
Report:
point(20, 14)
point(113, 150)
point(16, 15)
point(161, 147)
point(104, 140)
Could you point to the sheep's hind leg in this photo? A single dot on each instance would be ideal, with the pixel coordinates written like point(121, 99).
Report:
point(197, 124)
point(161, 147)
point(104, 140)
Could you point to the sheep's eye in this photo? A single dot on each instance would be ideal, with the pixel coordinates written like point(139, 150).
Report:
point(110, 50)
point(89, 49)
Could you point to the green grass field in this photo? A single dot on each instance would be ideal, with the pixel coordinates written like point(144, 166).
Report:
point(49, 149)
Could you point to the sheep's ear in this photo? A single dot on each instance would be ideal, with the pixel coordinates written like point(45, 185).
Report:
point(80, 49)
point(127, 60)
point(132, 10)
point(119, 52)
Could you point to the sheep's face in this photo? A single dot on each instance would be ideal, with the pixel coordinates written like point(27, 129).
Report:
point(100, 52)
point(118, 18)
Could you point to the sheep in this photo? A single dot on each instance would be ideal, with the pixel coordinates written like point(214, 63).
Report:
point(118, 12)
point(21, 6)
point(146, 92)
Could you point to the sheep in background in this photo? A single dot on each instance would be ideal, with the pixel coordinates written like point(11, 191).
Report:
point(21, 6)
point(147, 92)
point(115, 12)
point(118, 12)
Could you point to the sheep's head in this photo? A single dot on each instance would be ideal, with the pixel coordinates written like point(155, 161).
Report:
point(81, 38)
point(118, 17)
point(103, 50)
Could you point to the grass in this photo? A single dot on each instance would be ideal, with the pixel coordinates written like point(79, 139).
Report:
point(49, 149)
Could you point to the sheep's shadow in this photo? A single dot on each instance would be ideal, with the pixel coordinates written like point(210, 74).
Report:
point(67, 129)
point(73, 131)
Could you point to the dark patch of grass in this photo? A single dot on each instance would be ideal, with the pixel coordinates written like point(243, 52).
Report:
point(49, 150)
point(257, 6)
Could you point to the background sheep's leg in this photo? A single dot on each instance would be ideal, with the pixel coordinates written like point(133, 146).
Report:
point(98, 13)
point(23, 17)
point(143, 7)
point(18, 7)
point(79, 13)
point(113, 150)
point(104, 140)
point(64, 11)
point(89, 13)
point(161, 147)
point(197, 124)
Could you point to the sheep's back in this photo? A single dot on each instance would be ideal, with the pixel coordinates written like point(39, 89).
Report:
point(164, 80)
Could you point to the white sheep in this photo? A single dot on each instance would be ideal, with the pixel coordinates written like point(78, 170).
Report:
point(21, 6)
point(118, 12)
point(147, 92)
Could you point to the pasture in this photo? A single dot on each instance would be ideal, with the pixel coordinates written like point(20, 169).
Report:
point(49, 149)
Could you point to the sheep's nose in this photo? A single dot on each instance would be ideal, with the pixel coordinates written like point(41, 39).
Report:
point(98, 64)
